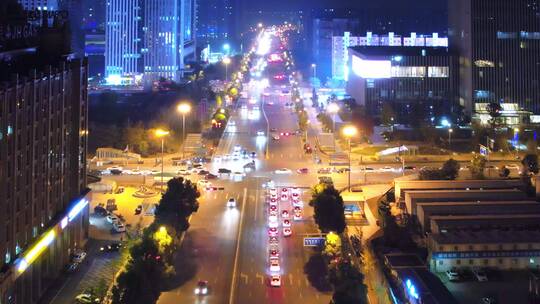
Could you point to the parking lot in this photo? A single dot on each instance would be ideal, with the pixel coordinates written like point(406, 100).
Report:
point(503, 286)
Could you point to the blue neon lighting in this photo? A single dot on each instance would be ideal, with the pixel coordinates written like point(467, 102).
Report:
point(77, 209)
point(411, 289)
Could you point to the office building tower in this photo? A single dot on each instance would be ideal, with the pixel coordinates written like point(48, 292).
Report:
point(122, 41)
point(45, 5)
point(498, 42)
point(43, 140)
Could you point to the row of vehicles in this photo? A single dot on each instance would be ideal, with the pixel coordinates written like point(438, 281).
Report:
point(279, 215)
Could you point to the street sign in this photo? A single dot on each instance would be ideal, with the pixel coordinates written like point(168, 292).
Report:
point(484, 150)
point(313, 241)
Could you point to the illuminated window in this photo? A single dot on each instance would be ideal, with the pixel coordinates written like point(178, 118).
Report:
point(506, 35)
point(484, 64)
point(408, 71)
point(7, 258)
point(441, 71)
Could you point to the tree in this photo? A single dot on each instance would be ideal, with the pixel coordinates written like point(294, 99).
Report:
point(332, 245)
point(505, 172)
point(348, 283)
point(387, 114)
point(478, 164)
point(494, 111)
point(328, 208)
point(450, 169)
point(140, 281)
point(177, 204)
point(530, 163)
point(430, 174)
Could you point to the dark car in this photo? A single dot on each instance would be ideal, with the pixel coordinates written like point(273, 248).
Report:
point(224, 171)
point(302, 171)
point(112, 247)
point(138, 210)
point(99, 210)
point(203, 172)
point(72, 267)
point(211, 176)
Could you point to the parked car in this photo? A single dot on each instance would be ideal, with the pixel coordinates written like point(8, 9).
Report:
point(100, 211)
point(138, 210)
point(72, 267)
point(453, 275)
point(112, 247)
point(119, 227)
point(86, 298)
point(78, 256)
point(480, 274)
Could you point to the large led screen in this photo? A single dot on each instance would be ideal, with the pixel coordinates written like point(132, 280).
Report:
point(371, 68)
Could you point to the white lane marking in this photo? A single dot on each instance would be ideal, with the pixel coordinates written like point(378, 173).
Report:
point(238, 239)
point(290, 279)
point(256, 204)
point(244, 277)
point(258, 276)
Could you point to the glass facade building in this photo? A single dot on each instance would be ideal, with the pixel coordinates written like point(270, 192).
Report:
point(498, 43)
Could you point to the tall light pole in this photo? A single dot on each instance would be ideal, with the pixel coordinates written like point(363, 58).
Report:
point(183, 108)
point(450, 138)
point(160, 133)
point(226, 61)
point(314, 69)
point(349, 132)
point(333, 108)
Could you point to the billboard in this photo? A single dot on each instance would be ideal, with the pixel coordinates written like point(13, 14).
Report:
point(371, 68)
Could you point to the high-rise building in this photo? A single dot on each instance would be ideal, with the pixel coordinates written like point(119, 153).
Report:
point(50, 5)
point(122, 40)
point(43, 140)
point(498, 42)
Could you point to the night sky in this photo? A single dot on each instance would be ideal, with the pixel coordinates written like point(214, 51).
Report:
point(283, 5)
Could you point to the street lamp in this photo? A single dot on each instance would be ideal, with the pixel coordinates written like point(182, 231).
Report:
point(516, 139)
point(333, 108)
point(160, 133)
point(450, 138)
point(314, 69)
point(349, 132)
point(226, 61)
point(183, 108)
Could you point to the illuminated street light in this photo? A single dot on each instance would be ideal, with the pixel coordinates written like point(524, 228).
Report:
point(349, 132)
point(183, 108)
point(160, 133)
point(226, 61)
point(450, 138)
point(314, 69)
point(333, 108)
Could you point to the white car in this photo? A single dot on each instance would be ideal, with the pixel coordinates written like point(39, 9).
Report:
point(480, 274)
point(78, 256)
point(260, 133)
point(272, 191)
point(85, 298)
point(237, 148)
point(453, 275)
point(273, 224)
point(297, 216)
point(287, 231)
point(275, 137)
point(273, 201)
point(231, 203)
point(283, 171)
point(232, 123)
point(203, 183)
point(274, 265)
point(183, 172)
point(226, 157)
point(513, 167)
point(386, 169)
point(286, 223)
point(295, 190)
point(111, 218)
point(284, 197)
point(272, 218)
point(119, 227)
point(275, 280)
point(115, 168)
point(217, 158)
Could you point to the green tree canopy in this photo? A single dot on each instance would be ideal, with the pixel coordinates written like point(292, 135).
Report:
point(328, 208)
point(450, 169)
point(478, 164)
point(530, 163)
point(177, 204)
point(348, 283)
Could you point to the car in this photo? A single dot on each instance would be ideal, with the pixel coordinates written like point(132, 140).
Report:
point(250, 165)
point(237, 148)
point(283, 171)
point(226, 157)
point(119, 227)
point(272, 201)
point(119, 190)
point(112, 218)
point(72, 267)
point(453, 275)
point(287, 231)
point(217, 158)
point(324, 171)
point(286, 223)
point(183, 172)
point(297, 209)
point(203, 183)
point(99, 210)
point(273, 240)
point(112, 247)
point(492, 167)
point(297, 216)
point(272, 218)
point(239, 174)
point(224, 171)
point(210, 176)
point(488, 300)
point(232, 123)
point(285, 133)
point(138, 210)
point(115, 168)
point(272, 191)
point(272, 208)
point(273, 224)
point(409, 168)
point(202, 288)
point(274, 265)
point(253, 154)
point(275, 280)
point(285, 214)
point(295, 196)
point(327, 180)
point(272, 231)
point(203, 172)
point(368, 169)
point(343, 170)
point(273, 253)
point(231, 203)
point(135, 172)
point(302, 171)
point(274, 196)
point(273, 130)
point(78, 256)
point(386, 169)
point(85, 298)
point(297, 203)
point(480, 274)
point(284, 197)
point(260, 133)
point(513, 167)
point(275, 137)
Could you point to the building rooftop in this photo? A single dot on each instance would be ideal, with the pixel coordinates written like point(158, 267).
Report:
point(487, 237)
point(402, 260)
point(399, 50)
point(425, 285)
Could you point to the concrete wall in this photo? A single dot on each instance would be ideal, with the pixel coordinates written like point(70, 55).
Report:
point(424, 211)
point(414, 197)
point(401, 186)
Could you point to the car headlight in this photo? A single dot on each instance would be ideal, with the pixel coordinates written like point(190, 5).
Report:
point(197, 291)
point(205, 290)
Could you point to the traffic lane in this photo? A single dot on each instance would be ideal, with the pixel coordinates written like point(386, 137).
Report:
point(207, 251)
